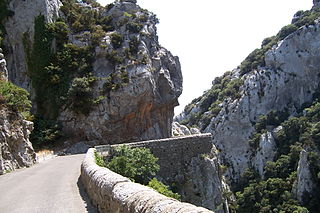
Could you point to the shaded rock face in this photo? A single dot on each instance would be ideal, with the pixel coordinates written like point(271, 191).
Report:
point(15, 148)
point(21, 25)
point(141, 109)
point(204, 185)
point(316, 3)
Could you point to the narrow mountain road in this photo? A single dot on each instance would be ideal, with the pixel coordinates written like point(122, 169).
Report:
point(52, 186)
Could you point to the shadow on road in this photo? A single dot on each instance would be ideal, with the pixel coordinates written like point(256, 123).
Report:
point(90, 208)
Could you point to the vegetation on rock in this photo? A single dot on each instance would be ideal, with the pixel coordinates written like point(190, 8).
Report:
point(274, 191)
point(209, 104)
point(45, 133)
point(138, 164)
point(14, 97)
point(163, 189)
point(256, 58)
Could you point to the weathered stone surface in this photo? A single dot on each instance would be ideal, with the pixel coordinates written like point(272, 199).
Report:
point(180, 130)
point(204, 184)
point(16, 151)
point(111, 193)
point(3, 68)
point(265, 152)
point(20, 24)
point(304, 184)
point(141, 109)
point(316, 3)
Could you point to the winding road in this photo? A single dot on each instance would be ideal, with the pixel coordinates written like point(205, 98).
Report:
point(52, 186)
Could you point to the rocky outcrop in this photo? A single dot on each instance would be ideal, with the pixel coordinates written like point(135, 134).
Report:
point(304, 185)
point(20, 27)
point(182, 130)
point(204, 184)
point(265, 152)
point(16, 151)
point(142, 108)
point(111, 192)
point(3, 67)
point(316, 3)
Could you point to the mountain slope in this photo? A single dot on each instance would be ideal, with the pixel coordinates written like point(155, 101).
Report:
point(248, 110)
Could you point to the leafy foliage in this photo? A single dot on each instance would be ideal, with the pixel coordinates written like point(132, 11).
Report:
point(45, 133)
point(14, 97)
point(116, 40)
point(223, 88)
point(80, 95)
point(272, 195)
point(297, 133)
point(163, 189)
point(138, 164)
point(99, 160)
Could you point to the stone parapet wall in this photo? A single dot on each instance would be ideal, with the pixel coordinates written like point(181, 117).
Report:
point(175, 154)
point(111, 193)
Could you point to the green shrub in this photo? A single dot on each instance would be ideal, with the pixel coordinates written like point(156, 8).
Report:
point(106, 23)
point(272, 195)
point(134, 45)
point(14, 97)
point(96, 36)
point(99, 159)
point(114, 57)
point(163, 189)
point(138, 164)
point(116, 40)
point(60, 31)
point(80, 95)
point(286, 30)
point(45, 133)
point(134, 27)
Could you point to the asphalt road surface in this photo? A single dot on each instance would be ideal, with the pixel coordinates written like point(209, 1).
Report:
point(52, 186)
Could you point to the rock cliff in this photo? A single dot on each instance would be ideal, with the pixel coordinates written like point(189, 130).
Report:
point(135, 82)
point(16, 150)
point(252, 112)
point(20, 24)
point(287, 81)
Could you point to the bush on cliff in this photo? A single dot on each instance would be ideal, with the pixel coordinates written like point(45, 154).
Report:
point(163, 189)
point(14, 97)
point(45, 132)
point(138, 164)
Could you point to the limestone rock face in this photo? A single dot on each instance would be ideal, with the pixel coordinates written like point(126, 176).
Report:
point(16, 151)
point(316, 3)
point(266, 152)
point(142, 108)
point(304, 184)
point(3, 67)
point(289, 79)
point(20, 26)
point(204, 184)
